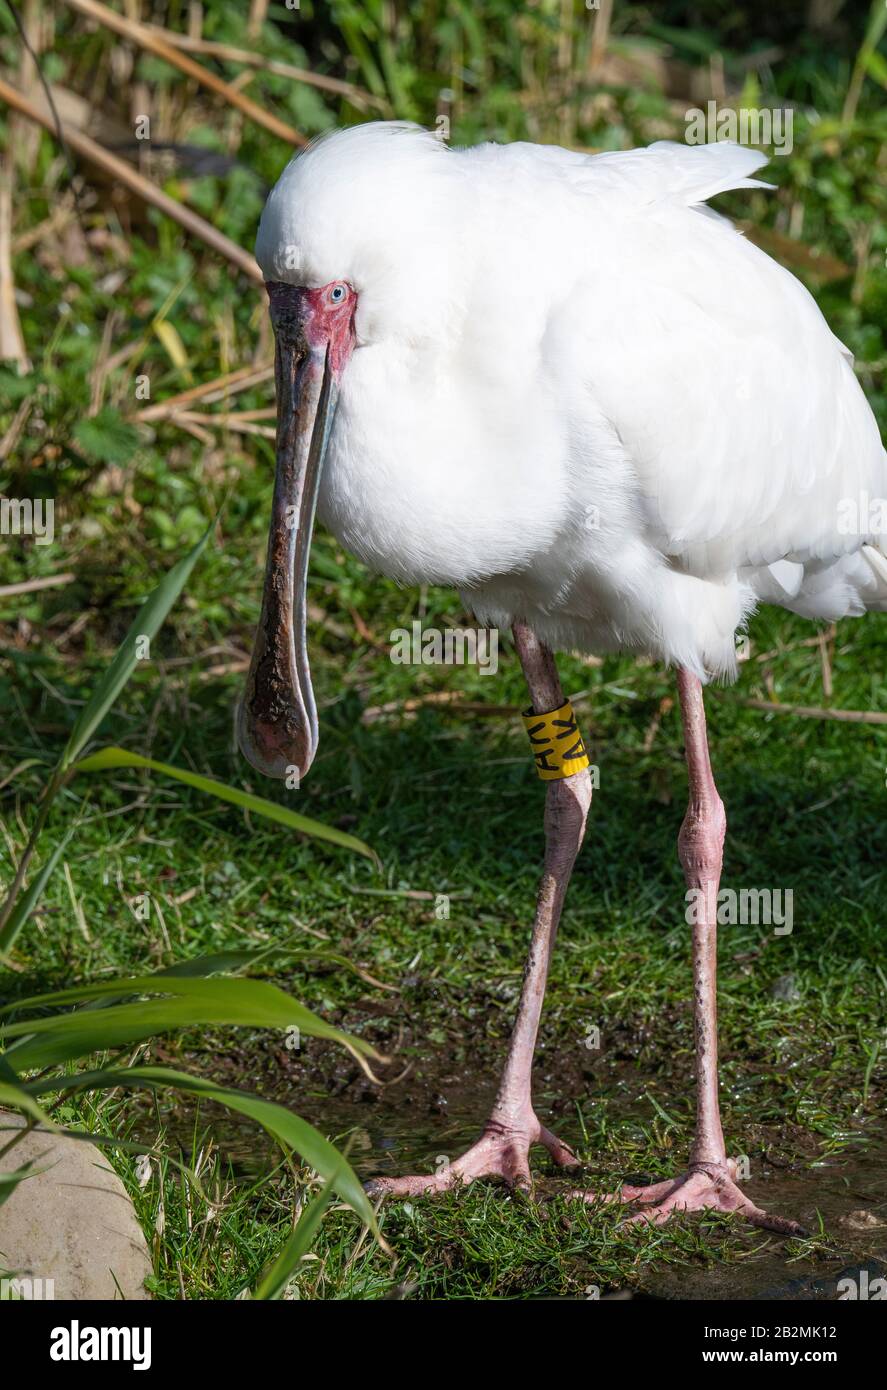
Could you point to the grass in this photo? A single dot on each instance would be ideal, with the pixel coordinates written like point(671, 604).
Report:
point(453, 807)
point(156, 872)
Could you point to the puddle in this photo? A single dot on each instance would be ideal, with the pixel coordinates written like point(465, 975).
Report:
point(383, 1139)
point(848, 1192)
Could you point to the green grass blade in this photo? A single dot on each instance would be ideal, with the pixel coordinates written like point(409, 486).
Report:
point(876, 66)
point(28, 900)
point(146, 623)
point(108, 758)
point(127, 1146)
point(10, 1180)
point(278, 1275)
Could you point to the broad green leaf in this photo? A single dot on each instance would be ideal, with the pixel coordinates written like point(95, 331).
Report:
point(240, 958)
point(44, 1042)
point(28, 900)
point(275, 1279)
point(160, 982)
point(289, 1129)
point(17, 1098)
point(107, 758)
point(217, 962)
point(146, 623)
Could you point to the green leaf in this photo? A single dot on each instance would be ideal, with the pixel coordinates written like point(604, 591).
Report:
point(186, 1003)
point(106, 437)
point(220, 962)
point(17, 1098)
point(288, 1129)
point(15, 388)
point(28, 900)
point(14, 1097)
point(876, 66)
point(146, 623)
point(107, 758)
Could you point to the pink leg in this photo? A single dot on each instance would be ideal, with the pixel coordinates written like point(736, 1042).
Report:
point(701, 852)
point(710, 1178)
point(513, 1127)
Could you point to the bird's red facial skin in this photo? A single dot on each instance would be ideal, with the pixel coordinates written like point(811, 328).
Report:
point(325, 320)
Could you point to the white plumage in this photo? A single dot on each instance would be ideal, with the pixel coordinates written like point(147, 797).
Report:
point(578, 394)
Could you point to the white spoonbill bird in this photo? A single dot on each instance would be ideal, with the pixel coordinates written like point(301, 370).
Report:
point(565, 386)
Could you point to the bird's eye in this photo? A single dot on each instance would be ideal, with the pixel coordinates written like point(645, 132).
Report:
point(337, 294)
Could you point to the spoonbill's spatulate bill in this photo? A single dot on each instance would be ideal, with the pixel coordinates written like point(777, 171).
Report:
point(565, 386)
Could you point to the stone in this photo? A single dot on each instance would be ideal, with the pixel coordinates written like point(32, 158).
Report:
point(861, 1220)
point(70, 1224)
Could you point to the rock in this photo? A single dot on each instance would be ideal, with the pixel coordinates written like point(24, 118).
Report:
point(70, 1222)
point(861, 1220)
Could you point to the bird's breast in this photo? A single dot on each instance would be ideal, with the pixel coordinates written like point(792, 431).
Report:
point(435, 475)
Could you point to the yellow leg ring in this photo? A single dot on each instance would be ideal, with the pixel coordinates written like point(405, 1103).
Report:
point(558, 748)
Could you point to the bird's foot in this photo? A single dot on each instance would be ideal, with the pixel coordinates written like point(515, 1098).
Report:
point(704, 1187)
point(503, 1152)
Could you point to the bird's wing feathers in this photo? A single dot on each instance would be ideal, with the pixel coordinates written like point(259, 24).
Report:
point(733, 400)
point(684, 175)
